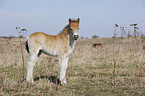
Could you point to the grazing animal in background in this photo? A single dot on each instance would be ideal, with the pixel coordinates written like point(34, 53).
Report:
point(60, 45)
point(97, 45)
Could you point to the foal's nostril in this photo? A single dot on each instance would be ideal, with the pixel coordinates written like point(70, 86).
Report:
point(76, 37)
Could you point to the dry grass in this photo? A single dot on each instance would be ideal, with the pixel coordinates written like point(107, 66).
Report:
point(90, 70)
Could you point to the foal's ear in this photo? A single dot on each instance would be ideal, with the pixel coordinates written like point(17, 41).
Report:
point(70, 20)
point(78, 20)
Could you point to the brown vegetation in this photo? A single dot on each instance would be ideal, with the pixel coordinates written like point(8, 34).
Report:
point(90, 71)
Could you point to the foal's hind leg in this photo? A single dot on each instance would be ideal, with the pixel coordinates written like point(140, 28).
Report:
point(31, 63)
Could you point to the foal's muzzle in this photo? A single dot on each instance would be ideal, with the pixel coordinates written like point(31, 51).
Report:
point(76, 37)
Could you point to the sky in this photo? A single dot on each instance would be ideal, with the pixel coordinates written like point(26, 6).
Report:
point(97, 17)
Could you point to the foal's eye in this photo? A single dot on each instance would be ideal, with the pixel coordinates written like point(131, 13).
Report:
point(78, 28)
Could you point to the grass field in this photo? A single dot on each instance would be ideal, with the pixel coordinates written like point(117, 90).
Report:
point(90, 72)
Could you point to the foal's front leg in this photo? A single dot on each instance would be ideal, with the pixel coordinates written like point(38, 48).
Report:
point(63, 68)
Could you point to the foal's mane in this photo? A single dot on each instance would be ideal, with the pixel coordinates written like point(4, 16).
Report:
point(64, 29)
point(67, 26)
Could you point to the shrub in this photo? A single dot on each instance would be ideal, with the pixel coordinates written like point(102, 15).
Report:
point(95, 36)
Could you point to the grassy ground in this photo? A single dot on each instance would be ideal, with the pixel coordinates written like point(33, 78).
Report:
point(90, 71)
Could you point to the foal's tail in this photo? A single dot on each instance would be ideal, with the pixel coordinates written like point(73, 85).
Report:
point(26, 45)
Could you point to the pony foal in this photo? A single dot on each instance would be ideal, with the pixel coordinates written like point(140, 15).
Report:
point(60, 45)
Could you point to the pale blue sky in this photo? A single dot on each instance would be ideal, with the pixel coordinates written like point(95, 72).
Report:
point(51, 16)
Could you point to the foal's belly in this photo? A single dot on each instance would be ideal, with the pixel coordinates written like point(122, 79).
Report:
point(50, 52)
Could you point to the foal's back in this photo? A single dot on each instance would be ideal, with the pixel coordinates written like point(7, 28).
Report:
point(49, 44)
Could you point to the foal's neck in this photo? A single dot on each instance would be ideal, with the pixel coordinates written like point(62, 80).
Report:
point(68, 35)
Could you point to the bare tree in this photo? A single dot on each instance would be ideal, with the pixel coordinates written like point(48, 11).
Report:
point(135, 29)
point(115, 30)
point(21, 32)
point(129, 34)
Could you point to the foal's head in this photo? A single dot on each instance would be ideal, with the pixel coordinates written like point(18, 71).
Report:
point(74, 27)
